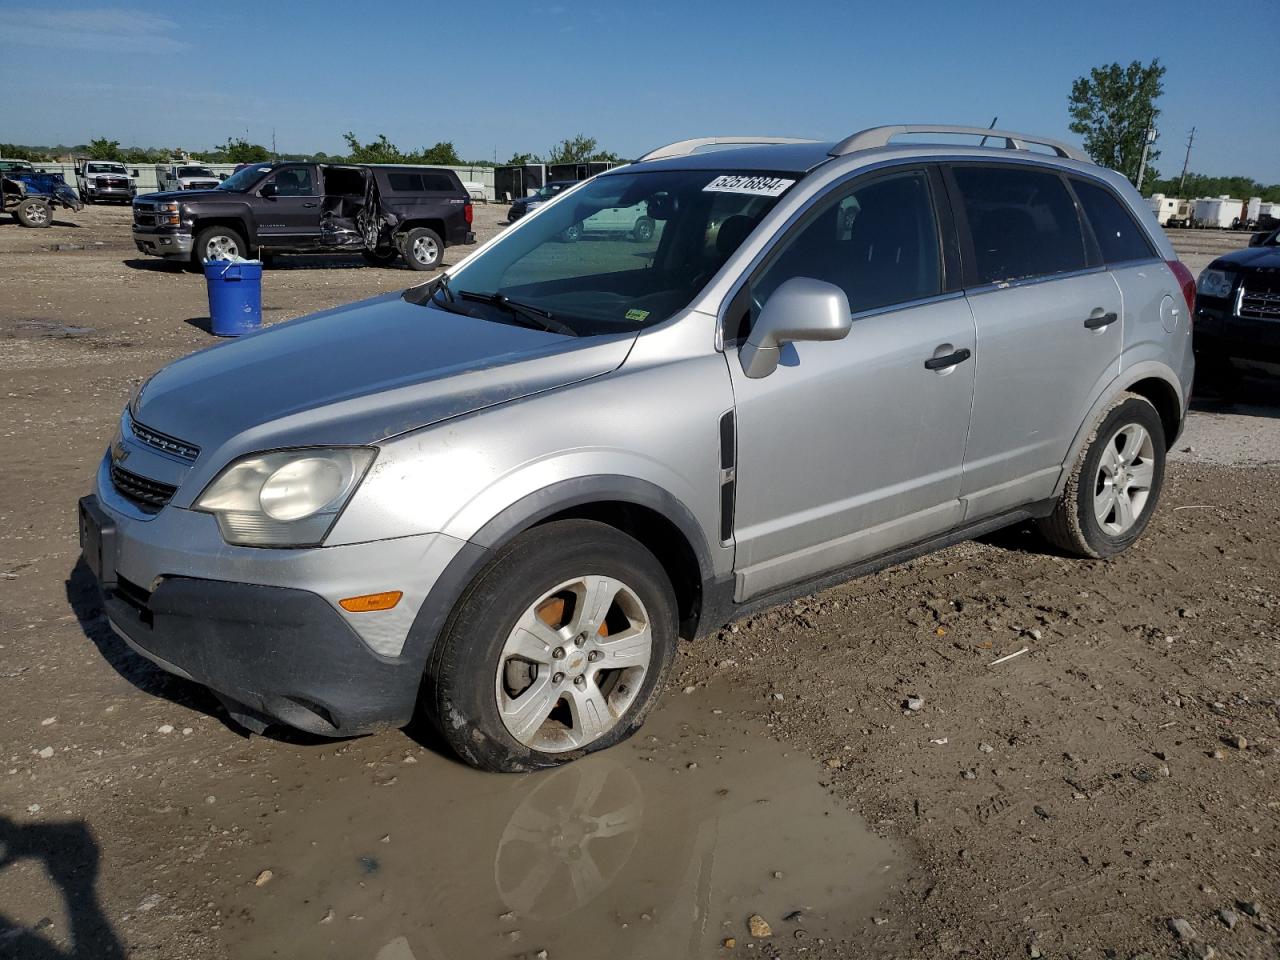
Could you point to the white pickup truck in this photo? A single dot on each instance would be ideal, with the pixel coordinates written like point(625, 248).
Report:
point(101, 180)
point(185, 175)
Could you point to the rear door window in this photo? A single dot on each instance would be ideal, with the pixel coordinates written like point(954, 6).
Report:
point(1119, 237)
point(1022, 221)
point(421, 183)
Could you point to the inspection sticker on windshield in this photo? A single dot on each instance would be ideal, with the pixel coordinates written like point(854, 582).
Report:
point(637, 315)
point(756, 186)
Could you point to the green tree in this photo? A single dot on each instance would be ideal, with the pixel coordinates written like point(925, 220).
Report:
point(104, 149)
point(240, 150)
point(442, 153)
point(1112, 108)
point(381, 150)
point(520, 159)
point(578, 149)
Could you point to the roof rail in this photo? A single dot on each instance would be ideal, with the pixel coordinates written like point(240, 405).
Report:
point(683, 148)
point(880, 136)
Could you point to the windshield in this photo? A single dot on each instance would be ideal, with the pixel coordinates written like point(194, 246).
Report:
point(105, 168)
point(550, 190)
point(242, 180)
point(195, 172)
point(623, 251)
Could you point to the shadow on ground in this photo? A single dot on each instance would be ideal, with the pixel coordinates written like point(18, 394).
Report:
point(69, 856)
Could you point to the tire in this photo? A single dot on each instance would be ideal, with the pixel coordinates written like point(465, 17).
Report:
point(538, 579)
point(380, 258)
point(571, 234)
point(224, 240)
point(34, 213)
point(643, 229)
point(1088, 521)
point(422, 249)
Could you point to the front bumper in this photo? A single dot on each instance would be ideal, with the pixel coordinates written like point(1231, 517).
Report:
point(163, 244)
point(1219, 332)
point(110, 193)
point(262, 627)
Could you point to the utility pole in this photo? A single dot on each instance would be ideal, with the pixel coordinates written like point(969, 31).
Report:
point(1147, 141)
point(274, 154)
point(1190, 140)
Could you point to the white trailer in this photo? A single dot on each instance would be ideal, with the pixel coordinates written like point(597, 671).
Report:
point(1171, 211)
point(1217, 213)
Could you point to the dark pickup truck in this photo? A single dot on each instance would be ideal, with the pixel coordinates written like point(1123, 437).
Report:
point(381, 211)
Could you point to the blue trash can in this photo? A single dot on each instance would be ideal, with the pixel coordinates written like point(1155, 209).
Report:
point(235, 296)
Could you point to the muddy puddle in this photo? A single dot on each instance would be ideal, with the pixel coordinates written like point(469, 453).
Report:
point(661, 847)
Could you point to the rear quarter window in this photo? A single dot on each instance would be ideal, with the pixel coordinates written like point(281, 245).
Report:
point(1022, 221)
point(422, 183)
point(1119, 237)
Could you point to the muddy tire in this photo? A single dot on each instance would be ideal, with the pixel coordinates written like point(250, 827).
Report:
point(218, 243)
point(1116, 483)
point(557, 649)
point(422, 249)
point(34, 213)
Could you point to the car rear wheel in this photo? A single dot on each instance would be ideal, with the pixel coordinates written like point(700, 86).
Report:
point(219, 243)
point(34, 213)
point(422, 248)
point(1116, 483)
point(558, 649)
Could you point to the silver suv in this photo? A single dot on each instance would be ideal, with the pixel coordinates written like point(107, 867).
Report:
point(501, 497)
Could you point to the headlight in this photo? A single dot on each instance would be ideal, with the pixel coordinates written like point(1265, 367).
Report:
point(1215, 283)
point(289, 498)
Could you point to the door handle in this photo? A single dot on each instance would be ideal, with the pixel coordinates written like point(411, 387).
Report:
point(308, 204)
point(950, 360)
point(1104, 320)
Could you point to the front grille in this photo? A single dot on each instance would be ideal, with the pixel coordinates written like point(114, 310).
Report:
point(112, 182)
point(148, 494)
point(162, 441)
point(144, 214)
point(1259, 305)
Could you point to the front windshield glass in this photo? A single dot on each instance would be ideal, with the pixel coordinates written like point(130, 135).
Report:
point(623, 251)
point(242, 180)
point(195, 172)
point(105, 168)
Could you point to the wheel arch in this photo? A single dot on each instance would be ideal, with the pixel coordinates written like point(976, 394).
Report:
point(1152, 380)
point(639, 508)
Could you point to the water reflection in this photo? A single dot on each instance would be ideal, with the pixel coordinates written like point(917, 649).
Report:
point(660, 847)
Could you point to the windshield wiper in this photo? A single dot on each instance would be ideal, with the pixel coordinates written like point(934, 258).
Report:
point(531, 316)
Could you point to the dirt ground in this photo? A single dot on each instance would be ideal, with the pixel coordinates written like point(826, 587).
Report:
point(1073, 801)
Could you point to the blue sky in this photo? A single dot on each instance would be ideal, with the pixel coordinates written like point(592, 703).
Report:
point(507, 77)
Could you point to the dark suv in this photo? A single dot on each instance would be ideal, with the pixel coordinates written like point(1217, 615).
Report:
point(381, 211)
point(1238, 309)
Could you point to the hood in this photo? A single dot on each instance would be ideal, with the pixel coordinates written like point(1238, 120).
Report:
point(188, 195)
point(1250, 258)
point(360, 374)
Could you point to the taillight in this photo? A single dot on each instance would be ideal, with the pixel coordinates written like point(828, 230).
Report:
point(1187, 282)
point(469, 213)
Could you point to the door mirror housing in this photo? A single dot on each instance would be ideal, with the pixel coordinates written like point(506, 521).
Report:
point(800, 309)
point(269, 190)
point(1258, 239)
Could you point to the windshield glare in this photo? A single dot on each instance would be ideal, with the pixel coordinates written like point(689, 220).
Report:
point(625, 250)
point(242, 180)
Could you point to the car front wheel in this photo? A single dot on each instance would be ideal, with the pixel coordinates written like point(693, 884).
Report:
point(1115, 486)
point(34, 213)
point(219, 243)
point(558, 649)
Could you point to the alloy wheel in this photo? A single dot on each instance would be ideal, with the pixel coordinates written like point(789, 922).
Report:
point(221, 247)
point(1125, 475)
point(573, 664)
point(424, 250)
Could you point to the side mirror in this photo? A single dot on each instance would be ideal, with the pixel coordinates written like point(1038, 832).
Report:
point(801, 309)
point(270, 190)
point(1258, 239)
point(222, 176)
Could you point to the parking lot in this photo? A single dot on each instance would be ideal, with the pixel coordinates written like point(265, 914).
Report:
point(1120, 774)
